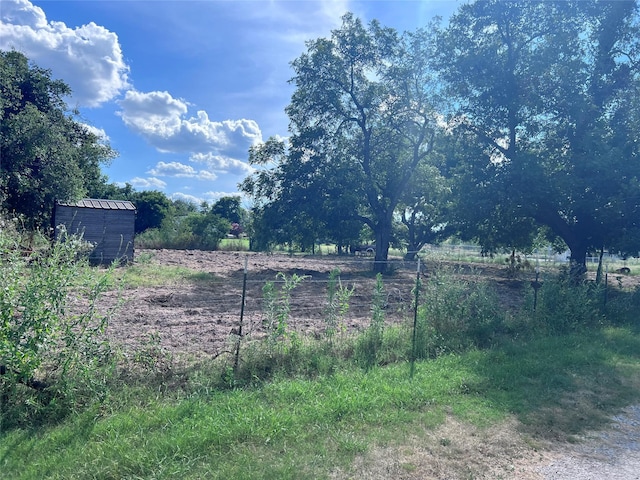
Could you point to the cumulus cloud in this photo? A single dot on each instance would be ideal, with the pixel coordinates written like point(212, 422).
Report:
point(148, 183)
point(213, 197)
point(221, 163)
point(162, 120)
point(98, 132)
point(186, 198)
point(88, 58)
point(177, 169)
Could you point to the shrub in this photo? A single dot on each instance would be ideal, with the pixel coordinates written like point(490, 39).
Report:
point(194, 231)
point(370, 342)
point(49, 349)
point(456, 315)
point(564, 306)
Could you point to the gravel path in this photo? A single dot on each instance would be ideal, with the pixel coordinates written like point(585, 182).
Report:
point(613, 454)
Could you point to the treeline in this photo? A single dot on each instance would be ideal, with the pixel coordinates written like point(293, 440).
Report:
point(514, 125)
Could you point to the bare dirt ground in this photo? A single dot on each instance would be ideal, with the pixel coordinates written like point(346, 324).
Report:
point(457, 450)
point(198, 319)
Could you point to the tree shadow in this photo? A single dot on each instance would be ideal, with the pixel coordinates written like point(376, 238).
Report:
point(562, 387)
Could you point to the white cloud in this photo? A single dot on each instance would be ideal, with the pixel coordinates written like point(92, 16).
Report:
point(161, 120)
point(177, 169)
point(212, 197)
point(172, 169)
point(88, 58)
point(219, 163)
point(148, 183)
point(152, 115)
point(186, 198)
point(98, 132)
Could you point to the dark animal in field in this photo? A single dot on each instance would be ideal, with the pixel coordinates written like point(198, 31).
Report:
point(623, 270)
point(367, 249)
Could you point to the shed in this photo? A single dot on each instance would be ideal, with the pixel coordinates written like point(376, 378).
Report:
point(108, 224)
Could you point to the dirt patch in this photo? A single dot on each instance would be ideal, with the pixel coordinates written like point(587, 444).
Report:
point(458, 450)
point(200, 317)
point(454, 450)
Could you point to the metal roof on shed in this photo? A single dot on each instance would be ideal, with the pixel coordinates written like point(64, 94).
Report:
point(100, 204)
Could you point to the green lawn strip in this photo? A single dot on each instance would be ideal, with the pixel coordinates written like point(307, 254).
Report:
point(154, 275)
point(300, 428)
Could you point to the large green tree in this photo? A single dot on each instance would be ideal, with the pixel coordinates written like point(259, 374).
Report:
point(46, 153)
point(295, 201)
point(362, 121)
point(549, 91)
point(423, 210)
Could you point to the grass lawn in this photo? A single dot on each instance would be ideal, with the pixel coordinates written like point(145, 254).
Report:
point(554, 387)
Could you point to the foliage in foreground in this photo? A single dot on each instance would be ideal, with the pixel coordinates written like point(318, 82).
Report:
point(295, 406)
point(52, 349)
point(304, 428)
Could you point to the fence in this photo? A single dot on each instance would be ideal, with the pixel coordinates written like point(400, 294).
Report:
point(201, 317)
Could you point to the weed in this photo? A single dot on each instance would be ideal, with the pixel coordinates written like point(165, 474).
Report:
point(277, 308)
point(338, 297)
point(51, 332)
point(370, 342)
point(455, 315)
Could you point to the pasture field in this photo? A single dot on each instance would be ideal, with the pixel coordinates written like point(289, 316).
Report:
point(510, 406)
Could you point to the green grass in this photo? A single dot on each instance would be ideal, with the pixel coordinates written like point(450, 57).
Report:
point(557, 387)
point(234, 244)
point(147, 273)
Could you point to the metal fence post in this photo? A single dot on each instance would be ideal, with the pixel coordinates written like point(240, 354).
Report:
point(244, 294)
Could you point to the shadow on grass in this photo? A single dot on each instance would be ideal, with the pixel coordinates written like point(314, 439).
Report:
point(560, 387)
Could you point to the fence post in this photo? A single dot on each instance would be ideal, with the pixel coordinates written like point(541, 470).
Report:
point(415, 321)
point(244, 293)
point(606, 284)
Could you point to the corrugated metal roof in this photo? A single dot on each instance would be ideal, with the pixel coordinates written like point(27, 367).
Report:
point(100, 204)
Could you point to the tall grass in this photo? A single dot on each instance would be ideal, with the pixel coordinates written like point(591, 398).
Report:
point(54, 355)
point(301, 428)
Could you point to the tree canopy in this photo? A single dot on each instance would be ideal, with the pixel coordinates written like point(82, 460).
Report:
point(548, 93)
point(46, 154)
point(363, 120)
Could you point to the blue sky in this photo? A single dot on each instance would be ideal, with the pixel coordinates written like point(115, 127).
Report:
point(182, 89)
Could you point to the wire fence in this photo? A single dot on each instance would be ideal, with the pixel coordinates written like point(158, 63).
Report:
point(202, 317)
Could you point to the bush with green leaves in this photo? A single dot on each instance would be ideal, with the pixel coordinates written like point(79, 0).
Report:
point(622, 307)
point(338, 296)
point(194, 231)
point(370, 342)
point(456, 314)
point(565, 306)
point(276, 308)
point(52, 342)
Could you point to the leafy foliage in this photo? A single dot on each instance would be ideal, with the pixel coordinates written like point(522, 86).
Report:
point(276, 307)
point(370, 343)
point(362, 121)
point(197, 230)
point(47, 154)
point(545, 97)
point(43, 331)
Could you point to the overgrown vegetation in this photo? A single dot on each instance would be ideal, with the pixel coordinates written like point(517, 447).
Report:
point(294, 405)
point(53, 354)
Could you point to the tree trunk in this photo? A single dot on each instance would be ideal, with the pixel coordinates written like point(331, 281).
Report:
point(383, 237)
point(411, 254)
point(578, 261)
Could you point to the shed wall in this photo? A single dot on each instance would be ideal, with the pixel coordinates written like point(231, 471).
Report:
point(111, 231)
